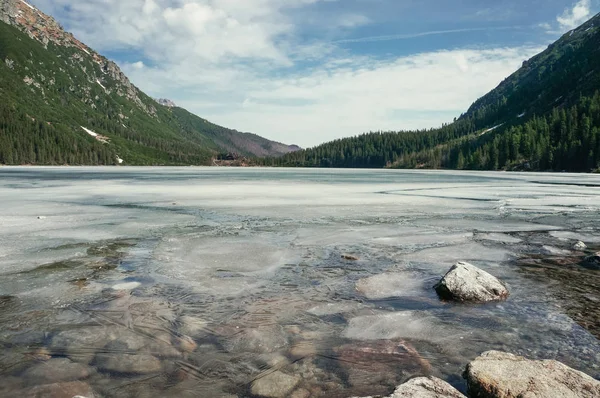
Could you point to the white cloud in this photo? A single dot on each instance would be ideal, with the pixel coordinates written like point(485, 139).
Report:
point(242, 64)
point(345, 97)
point(573, 17)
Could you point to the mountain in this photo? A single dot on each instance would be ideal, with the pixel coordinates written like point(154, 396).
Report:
point(63, 103)
point(546, 116)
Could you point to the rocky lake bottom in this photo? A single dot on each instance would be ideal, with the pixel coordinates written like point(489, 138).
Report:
point(204, 282)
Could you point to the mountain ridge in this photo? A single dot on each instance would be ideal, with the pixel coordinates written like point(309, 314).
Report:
point(58, 90)
point(545, 116)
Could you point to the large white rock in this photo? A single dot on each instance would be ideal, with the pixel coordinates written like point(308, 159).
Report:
point(497, 374)
point(425, 387)
point(579, 246)
point(465, 282)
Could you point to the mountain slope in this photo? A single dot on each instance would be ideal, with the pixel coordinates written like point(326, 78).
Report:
point(546, 116)
point(63, 103)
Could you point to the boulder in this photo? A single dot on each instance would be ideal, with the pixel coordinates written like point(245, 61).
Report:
point(465, 282)
point(497, 374)
point(425, 387)
point(275, 385)
point(579, 246)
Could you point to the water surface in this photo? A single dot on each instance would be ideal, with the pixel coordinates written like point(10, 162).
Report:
point(205, 281)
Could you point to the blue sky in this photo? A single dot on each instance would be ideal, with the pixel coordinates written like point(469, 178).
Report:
point(309, 71)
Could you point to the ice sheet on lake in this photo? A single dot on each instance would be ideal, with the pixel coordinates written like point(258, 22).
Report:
point(391, 285)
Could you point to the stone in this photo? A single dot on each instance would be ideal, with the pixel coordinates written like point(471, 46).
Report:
point(61, 390)
point(579, 246)
point(593, 260)
point(80, 344)
point(425, 387)
point(56, 370)
point(350, 257)
point(128, 363)
point(192, 326)
point(465, 282)
point(264, 339)
point(300, 393)
point(497, 374)
point(375, 366)
point(275, 385)
point(185, 343)
point(302, 349)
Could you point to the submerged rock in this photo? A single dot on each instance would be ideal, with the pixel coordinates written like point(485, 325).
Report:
point(56, 370)
point(128, 363)
point(425, 387)
point(465, 282)
point(579, 246)
point(593, 260)
point(61, 390)
point(275, 385)
point(80, 344)
point(497, 374)
point(375, 366)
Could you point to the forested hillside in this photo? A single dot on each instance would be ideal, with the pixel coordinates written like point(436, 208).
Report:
point(546, 116)
point(62, 103)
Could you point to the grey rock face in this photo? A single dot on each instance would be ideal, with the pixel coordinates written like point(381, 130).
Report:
point(275, 385)
point(497, 374)
point(425, 387)
point(465, 282)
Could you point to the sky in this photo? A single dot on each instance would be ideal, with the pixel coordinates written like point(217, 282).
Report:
point(309, 71)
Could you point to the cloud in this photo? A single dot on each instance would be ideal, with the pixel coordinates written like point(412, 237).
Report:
point(343, 97)
point(370, 39)
point(248, 65)
point(573, 17)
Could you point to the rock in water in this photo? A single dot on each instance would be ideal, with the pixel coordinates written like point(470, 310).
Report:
point(497, 374)
point(56, 370)
point(465, 282)
point(579, 246)
point(373, 367)
point(61, 390)
point(129, 363)
point(275, 385)
point(426, 387)
point(593, 260)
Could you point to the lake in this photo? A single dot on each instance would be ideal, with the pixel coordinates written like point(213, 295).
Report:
point(225, 282)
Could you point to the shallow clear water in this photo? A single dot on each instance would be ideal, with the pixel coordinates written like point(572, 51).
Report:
point(217, 282)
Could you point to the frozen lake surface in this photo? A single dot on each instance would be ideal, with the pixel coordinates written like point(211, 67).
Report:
point(218, 282)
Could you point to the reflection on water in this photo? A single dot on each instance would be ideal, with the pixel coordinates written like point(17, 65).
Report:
point(283, 283)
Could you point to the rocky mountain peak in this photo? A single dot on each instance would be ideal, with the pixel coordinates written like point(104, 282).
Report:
point(166, 102)
point(46, 30)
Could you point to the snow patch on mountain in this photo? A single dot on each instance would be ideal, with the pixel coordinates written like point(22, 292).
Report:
point(491, 129)
point(90, 132)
